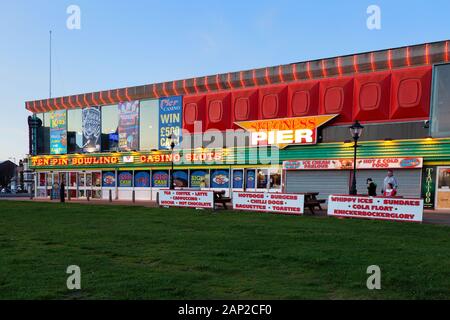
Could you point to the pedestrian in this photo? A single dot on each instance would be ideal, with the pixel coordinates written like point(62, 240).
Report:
point(62, 193)
point(371, 188)
point(390, 191)
point(390, 179)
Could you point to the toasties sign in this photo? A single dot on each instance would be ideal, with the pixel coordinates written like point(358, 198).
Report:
point(284, 132)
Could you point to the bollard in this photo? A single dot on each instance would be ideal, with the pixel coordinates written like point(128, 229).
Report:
point(110, 195)
point(134, 196)
point(157, 198)
point(88, 196)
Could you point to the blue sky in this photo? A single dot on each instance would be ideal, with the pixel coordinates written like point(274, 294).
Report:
point(134, 42)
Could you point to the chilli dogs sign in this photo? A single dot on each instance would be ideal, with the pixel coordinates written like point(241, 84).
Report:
point(394, 209)
point(269, 202)
point(187, 199)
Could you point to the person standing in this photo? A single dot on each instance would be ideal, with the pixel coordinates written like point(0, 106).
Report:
point(390, 179)
point(371, 188)
point(390, 191)
point(62, 193)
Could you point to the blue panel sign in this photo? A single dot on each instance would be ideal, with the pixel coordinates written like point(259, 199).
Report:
point(238, 179)
point(142, 179)
point(109, 179)
point(220, 179)
point(251, 178)
point(170, 121)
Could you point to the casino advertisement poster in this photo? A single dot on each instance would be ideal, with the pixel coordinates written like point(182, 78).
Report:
point(220, 179)
point(129, 126)
point(160, 179)
point(142, 179)
point(125, 179)
point(58, 132)
point(109, 179)
point(170, 121)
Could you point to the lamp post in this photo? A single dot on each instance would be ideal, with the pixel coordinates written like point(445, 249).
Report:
point(356, 131)
point(172, 146)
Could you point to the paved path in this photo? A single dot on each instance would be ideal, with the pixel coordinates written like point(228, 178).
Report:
point(430, 216)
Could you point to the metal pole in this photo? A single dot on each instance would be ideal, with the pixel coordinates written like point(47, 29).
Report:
point(171, 187)
point(353, 190)
point(50, 71)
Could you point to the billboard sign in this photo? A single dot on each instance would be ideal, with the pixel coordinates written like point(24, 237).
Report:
point(187, 199)
point(347, 164)
point(170, 121)
point(92, 125)
point(58, 132)
point(129, 126)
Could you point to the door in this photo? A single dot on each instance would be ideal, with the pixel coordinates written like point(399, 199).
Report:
point(443, 188)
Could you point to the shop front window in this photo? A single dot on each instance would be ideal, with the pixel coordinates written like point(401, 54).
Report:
point(73, 179)
point(160, 179)
point(199, 179)
point(142, 179)
point(125, 179)
point(275, 178)
point(238, 179)
point(262, 179)
point(97, 179)
point(42, 180)
point(440, 118)
point(180, 178)
point(220, 179)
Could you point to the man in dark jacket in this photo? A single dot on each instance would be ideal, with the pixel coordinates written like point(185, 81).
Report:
point(371, 187)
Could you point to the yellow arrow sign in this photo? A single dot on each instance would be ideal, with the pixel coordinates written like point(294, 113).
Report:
point(286, 131)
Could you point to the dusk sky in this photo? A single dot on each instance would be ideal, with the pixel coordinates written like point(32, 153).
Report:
point(127, 43)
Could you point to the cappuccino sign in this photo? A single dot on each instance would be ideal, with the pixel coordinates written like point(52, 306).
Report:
point(284, 132)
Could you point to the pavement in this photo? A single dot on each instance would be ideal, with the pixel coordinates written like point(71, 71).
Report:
point(438, 217)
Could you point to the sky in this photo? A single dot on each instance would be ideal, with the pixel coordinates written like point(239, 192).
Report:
point(136, 42)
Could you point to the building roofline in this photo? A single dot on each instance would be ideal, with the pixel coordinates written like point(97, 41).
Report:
point(338, 66)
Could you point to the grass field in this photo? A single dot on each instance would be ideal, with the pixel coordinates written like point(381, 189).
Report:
point(142, 253)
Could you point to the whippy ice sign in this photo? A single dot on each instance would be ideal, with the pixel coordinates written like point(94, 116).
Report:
point(379, 208)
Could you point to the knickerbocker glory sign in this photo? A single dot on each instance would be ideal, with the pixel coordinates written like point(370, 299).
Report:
point(395, 209)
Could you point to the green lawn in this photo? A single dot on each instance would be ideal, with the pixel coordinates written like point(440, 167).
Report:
point(142, 253)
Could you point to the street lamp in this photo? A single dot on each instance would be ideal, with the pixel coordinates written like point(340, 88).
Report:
point(172, 146)
point(356, 131)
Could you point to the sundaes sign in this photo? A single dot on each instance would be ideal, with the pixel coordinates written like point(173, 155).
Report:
point(283, 132)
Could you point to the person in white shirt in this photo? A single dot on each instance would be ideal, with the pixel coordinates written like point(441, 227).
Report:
point(390, 179)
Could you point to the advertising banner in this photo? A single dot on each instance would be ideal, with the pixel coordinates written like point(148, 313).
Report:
point(92, 125)
point(198, 179)
point(187, 199)
point(251, 179)
point(220, 179)
point(238, 179)
point(58, 132)
point(395, 209)
point(142, 179)
point(125, 179)
point(347, 164)
point(129, 126)
point(170, 121)
point(160, 179)
point(278, 203)
point(181, 178)
point(429, 186)
point(109, 179)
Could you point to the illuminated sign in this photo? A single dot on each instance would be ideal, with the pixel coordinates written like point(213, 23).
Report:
point(347, 164)
point(284, 132)
point(135, 159)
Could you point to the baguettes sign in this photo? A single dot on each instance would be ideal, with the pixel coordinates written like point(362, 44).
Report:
point(395, 209)
point(269, 202)
point(187, 199)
